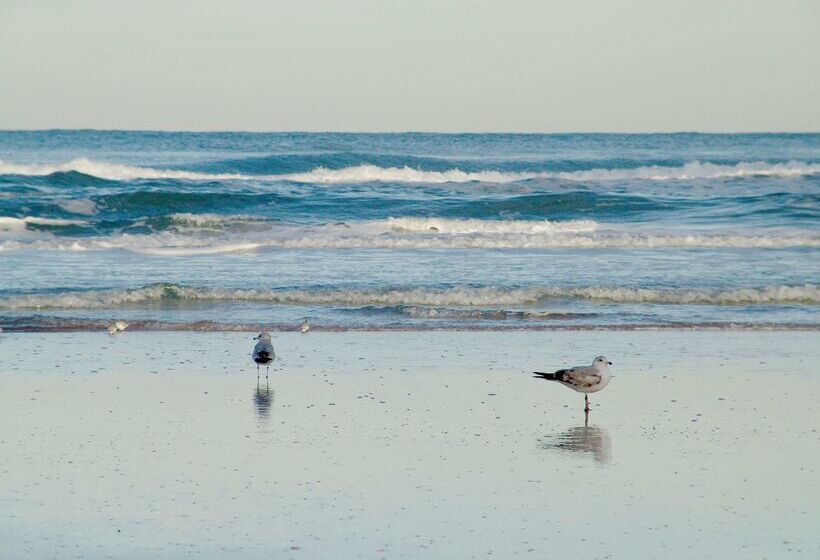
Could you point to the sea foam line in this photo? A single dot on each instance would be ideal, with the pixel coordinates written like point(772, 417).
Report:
point(372, 173)
point(807, 294)
point(61, 324)
point(195, 235)
point(170, 244)
point(475, 226)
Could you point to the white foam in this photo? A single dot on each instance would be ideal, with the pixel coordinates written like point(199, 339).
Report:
point(218, 234)
point(114, 171)
point(434, 233)
point(192, 251)
point(457, 296)
point(691, 170)
point(19, 226)
point(696, 170)
point(472, 226)
point(373, 173)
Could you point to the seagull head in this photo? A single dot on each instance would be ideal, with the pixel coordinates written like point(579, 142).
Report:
point(263, 336)
point(601, 362)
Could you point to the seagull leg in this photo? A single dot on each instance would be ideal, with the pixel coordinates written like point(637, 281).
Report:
point(257, 371)
point(267, 370)
point(586, 419)
point(586, 403)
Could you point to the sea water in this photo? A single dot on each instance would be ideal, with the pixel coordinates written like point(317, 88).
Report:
point(205, 231)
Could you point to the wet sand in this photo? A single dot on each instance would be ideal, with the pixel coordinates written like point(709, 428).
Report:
point(409, 445)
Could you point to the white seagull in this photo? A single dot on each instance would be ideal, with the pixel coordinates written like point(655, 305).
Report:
point(263, 353)
point(305, 327)
point(584, 379)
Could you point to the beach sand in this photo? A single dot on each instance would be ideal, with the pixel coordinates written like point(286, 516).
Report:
point(409, 445)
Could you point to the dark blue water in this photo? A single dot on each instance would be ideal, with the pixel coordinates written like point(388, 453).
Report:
point(237, 230)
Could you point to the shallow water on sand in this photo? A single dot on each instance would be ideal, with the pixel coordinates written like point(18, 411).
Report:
point(408, 445)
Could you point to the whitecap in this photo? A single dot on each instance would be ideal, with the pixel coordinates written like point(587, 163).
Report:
point(372, 173)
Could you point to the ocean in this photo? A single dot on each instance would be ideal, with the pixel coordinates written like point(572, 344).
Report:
point(236, 231)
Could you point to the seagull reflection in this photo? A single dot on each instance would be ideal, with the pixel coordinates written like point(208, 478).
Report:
point(262, 400)
point(581, 439)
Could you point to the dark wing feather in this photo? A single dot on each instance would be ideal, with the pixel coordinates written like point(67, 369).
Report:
point(557, 376)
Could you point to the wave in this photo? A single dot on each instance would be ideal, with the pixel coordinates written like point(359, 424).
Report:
point(372, 173)
point(417, 312)
point(807, 294)
point(468, 226)
point(112, 171)
point(691, 170)
point(214, 234)
point(20, 225)
point(40, 323)
point(150, 245)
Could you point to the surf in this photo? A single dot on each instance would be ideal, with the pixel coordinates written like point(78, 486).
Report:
point(367, 173)
point(457, 296)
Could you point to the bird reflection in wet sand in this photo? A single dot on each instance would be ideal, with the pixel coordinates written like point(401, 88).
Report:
point(581, 439)
point(263, 399)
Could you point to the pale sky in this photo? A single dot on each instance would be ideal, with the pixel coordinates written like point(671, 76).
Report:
point(428, 65)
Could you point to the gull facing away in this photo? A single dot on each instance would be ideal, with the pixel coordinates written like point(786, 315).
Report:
point(117, 326)
point(305, 326)
point(584, 379)
point(263, 353)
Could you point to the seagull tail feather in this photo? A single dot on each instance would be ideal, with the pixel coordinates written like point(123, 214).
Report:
point(547, 376)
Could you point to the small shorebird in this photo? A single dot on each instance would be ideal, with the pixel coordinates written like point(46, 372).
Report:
point(117, 326)
point(584, 379)
point(305, 327)
point(263, 353)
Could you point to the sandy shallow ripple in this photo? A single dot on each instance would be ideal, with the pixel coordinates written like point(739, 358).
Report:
point(409, 445)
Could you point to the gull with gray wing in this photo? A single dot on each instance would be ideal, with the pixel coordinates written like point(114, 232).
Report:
point(584, 379)
point(263, 353)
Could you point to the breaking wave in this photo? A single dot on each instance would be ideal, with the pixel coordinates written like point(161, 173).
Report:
point(112, 171)
point(372, 173)
point(169, 244)
point(468, 226)
point(807, 294)
point(193, 234)
point(20, 225)
point(461, 314)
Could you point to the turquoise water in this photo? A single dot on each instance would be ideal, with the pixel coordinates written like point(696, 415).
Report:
point(237, 230)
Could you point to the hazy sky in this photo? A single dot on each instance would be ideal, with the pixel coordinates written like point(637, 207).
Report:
point(436, 65)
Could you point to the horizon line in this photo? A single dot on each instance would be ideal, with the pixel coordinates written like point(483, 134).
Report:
point(399, 132)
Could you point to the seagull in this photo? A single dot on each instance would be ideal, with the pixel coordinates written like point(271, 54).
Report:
point(263, 352)
point(117, 326)
point(584, 379)
point(305, 326)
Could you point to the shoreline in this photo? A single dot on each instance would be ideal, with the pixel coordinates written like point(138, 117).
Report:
point(222, 328)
